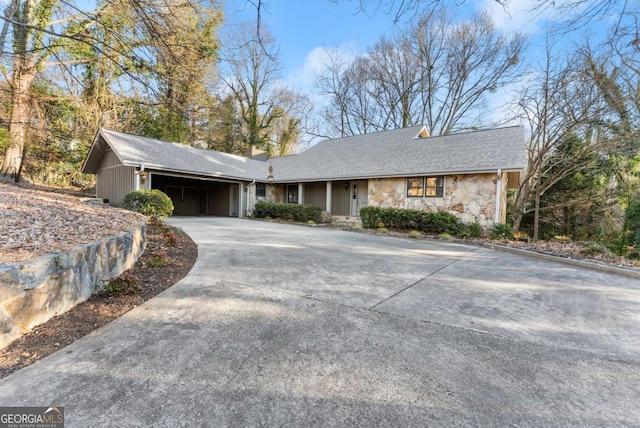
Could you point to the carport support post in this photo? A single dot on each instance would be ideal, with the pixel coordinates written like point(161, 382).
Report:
point(300, 193)
point(241, 190)
point(328, 198)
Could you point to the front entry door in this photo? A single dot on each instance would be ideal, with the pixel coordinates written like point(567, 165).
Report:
point(359, 196)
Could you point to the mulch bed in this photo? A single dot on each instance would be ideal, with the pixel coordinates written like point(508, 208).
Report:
point(169, 256)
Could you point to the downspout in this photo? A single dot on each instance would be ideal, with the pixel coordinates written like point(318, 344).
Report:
point(498, 196)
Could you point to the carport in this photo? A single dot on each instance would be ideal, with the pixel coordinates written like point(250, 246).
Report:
point(198, 181)
point(200, 196)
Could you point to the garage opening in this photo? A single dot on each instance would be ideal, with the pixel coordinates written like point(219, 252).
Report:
point(192, 197)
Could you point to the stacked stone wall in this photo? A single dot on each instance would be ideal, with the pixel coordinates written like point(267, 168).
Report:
point(34, 291)
point(276, 193)
point(472, 198)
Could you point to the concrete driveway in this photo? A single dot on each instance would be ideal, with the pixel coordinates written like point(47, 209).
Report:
point(281, 325)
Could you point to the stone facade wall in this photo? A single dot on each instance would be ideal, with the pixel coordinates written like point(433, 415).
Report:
point(472, 198)
point(34, 291)
point(276, 193)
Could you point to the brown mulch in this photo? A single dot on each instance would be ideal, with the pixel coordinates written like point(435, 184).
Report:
point(169, 256)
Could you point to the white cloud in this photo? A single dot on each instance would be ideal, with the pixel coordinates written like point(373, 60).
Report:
point(302, 77)
point(517, 15)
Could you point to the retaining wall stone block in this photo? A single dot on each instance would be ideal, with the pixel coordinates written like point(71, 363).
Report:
point(33, 291)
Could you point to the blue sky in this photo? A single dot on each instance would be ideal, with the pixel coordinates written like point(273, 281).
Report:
point(304, 28)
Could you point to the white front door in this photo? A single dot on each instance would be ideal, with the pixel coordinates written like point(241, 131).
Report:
point(359, 196)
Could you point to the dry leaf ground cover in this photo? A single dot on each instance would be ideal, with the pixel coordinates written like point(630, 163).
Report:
point(577, 250)
point(33, 222)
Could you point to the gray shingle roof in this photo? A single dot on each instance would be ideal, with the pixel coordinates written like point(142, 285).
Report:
point(400, 153)
point(161, 155)
point(383, 154)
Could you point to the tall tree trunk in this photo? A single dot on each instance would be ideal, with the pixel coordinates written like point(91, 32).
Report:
point(520, 205)
point(23, 75)
point(536, 213)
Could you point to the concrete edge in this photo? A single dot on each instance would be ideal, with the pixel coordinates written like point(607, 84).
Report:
point(632, 273)
point(583, 263)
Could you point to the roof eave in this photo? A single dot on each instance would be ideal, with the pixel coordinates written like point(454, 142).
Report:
point(159, 169)
point(400, 175)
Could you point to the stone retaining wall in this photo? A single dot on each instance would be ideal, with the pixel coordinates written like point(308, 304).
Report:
point(34, 291)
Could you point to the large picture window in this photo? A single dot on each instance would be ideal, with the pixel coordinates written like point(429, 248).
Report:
point(261, 190)
point(415, 187)
point(434, 187)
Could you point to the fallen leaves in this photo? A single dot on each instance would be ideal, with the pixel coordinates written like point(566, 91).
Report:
point(34, 223)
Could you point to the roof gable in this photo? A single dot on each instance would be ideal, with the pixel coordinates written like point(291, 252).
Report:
point(150, 153)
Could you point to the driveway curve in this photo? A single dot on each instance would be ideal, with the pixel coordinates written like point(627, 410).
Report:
point(283, 325)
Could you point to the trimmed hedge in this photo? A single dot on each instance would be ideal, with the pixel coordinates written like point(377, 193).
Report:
point(152, 203)
point(295, 212)
point(423, 221)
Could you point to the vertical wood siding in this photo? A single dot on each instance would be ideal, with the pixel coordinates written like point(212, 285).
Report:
point(109, 159)
point(219, 199)
point(114, 182)
point(316, 194)
point(340, 198)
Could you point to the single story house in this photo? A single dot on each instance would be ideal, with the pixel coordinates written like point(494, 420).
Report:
point(467, 174)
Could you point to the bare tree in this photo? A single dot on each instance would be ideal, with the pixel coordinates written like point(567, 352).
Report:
point(437, 74)
point(251, 73)
point(560, 106)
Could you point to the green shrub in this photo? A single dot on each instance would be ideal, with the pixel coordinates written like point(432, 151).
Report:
point(422, 221)
point(501, 231)
point(152, 203)
point(369, 217)
point(474, 230)
point(125, 284)
point(295, 212)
